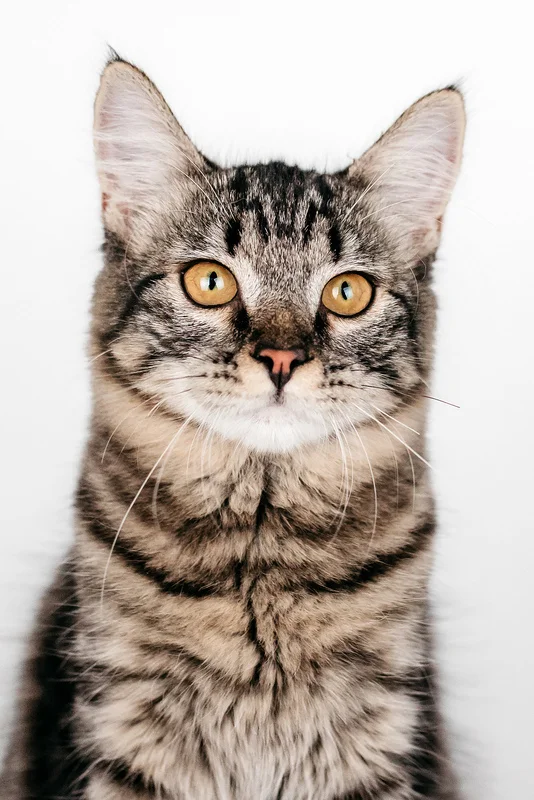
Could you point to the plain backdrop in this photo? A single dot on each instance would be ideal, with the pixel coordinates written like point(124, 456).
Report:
point(313, 84)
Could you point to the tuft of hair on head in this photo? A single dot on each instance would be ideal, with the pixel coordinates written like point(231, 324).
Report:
point(142, 153)
point(411, 170)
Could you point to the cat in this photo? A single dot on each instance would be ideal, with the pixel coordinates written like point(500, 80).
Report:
point(244, 612)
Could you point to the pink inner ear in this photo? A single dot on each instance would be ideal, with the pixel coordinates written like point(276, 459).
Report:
point(452, 154)
point(105, 116)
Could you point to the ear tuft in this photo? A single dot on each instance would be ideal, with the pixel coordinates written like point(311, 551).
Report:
point(412, 169)
point(141, 150)
point(113, 56)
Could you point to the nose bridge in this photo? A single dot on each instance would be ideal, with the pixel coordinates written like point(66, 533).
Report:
point(282, 329)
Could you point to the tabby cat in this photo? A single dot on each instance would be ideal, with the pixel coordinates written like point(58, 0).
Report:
point(244, 612)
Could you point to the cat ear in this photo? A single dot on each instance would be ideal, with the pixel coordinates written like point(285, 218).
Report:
point(409, 174)
point(141, 150)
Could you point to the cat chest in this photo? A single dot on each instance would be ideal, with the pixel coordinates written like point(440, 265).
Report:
point(288, 738)
point(260, 685)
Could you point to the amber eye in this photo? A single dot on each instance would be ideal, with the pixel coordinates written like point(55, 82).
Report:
point(209, 284)
point(347, 294)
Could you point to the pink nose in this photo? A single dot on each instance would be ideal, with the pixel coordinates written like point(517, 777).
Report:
point(281, 363)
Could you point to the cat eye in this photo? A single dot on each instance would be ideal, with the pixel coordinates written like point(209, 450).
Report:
point(347, 294)
point(209, 284)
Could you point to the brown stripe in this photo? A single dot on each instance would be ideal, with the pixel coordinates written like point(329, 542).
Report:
point(133, 558)
point(119, 772)
point(377, 568)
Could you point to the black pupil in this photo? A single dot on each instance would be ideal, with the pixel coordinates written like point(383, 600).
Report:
point(346, 290)
point(212, 281)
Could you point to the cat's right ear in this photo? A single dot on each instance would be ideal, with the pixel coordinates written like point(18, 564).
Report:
point(142, 153)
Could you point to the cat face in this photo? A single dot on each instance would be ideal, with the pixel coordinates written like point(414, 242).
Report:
point(270, 305)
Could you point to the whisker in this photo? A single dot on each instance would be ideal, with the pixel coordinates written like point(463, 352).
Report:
point(134, 501)
point(160, 476)
point(439, 400)
point(180, 378)
point(116, 428)
point(217, 196)
point(380, 411)
point(345, 494)
point(394, 452)
point(415, 453)
point(413, 479)
point(99, 355)
point(199, 187)
point(375, 492)
point(405, 394)
point(152, 411)
point(207, 446)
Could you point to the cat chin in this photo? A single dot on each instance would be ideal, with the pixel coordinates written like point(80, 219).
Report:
point(269, 437)
point(272, 430)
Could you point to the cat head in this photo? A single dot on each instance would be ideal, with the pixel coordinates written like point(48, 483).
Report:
point(271, 305)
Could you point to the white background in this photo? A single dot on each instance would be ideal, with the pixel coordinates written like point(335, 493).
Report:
point(314, 84)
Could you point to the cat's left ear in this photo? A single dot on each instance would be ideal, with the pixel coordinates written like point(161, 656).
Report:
point(409, 174)
point(143, 155)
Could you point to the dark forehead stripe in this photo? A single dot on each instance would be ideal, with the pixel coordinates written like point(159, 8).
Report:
point(334, 240)
point(232, 235)
point(309, 222)
point(247, 198)
point(324, 208)
point(326, 194)
point(278, 196)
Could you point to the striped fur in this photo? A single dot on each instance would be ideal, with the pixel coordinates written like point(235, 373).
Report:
point(244, 610)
